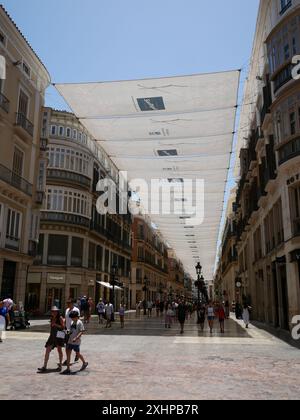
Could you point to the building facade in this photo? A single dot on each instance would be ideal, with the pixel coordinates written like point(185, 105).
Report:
point(227, 273)
point(21, 156)
point(176, 277)
point(77, 246)
point(267, 208)
point(149, 263)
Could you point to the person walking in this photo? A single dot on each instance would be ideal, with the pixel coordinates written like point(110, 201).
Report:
point(101, 311)
point(227, 309)
point(90, 309)
point(55, 340)
point(211, 316)
point(157, 308)
point(201, 312)
point(149, 306)
point(169, 316)
point(9, 304)
point(4, 319)
point(181, 313)
point(162, 307)
point(109, 310)
point(68, 321)
point(222, 316)
point(122, 315)
point(246, 315)
point(74, 342)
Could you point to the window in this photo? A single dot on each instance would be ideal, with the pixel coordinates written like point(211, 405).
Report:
point(41, 182)
point(286, 50)
point(79, 136)
point(68, 201)
point(292, 123)
point(69, 160)
point(34, 227)
point(57, 250)
point(18, 158)
point(13, 226)
point(68, 132)
point(2, 38)
point(26, 69)
point(23, 103)
point(61, 131)
point(53, 130)
point(295, 209)
point(92, 251)
point(77, 252)
point(140, 253)
point(75, 134)
point(99, 257)
point(285, 5)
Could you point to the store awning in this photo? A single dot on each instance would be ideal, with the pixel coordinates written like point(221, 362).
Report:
point(170, 129)
point(108, 285)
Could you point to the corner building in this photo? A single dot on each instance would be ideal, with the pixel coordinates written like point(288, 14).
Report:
point(77, 246)
point(268, 197)
point(21, 157)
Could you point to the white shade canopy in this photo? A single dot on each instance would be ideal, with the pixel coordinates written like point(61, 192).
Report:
point(171, 129)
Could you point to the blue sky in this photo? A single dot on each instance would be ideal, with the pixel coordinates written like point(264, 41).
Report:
point(99, 40)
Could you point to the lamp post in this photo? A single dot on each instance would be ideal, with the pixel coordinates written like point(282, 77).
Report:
point(114, 270)
point(145, 289)
point(199, 284)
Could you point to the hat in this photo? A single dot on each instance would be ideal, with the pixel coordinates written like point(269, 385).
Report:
point(55, 308)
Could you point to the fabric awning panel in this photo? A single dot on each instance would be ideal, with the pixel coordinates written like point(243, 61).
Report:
point(168, 128)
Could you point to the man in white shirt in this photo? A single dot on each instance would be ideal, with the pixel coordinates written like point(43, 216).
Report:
point(109, 310)
point(68, 322)
point(71, 308)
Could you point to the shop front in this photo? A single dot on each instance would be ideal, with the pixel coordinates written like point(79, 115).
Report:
point(55, 291)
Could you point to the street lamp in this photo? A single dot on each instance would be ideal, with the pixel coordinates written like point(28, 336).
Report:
point(145, 289)
point(113, 282)
point(199, 284)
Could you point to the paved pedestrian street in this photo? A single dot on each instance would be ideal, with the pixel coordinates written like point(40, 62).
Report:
point(146, 361)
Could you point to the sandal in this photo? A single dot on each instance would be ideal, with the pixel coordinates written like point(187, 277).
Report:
point(42, 370)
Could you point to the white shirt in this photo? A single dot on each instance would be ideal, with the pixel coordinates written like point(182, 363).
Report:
point(8, 303)
point(68, 319)
point(109, 309)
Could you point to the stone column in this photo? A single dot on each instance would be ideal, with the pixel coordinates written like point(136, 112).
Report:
point(45, 250)
point(20, 283)
point(43, 292)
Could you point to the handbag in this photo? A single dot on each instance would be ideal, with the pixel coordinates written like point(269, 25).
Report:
point(61, 334)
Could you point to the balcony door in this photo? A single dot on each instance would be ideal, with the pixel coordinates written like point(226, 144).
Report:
point(23, 104)
point(17, 168)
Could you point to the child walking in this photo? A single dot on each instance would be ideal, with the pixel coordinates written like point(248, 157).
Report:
point(74, 342)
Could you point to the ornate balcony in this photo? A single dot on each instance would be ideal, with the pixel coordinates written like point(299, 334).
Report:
point(282, 77)
point(21, 121)
point(65, 218)
point(289, 150)
point(16, 181)
point(69, 177)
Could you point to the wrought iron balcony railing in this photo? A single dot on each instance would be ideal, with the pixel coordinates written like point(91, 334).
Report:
point(15, 180)
point(23, 122)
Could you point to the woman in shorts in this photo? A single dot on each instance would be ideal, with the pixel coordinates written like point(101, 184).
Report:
point(56, 338)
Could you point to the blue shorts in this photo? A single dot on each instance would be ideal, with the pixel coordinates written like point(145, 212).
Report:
point(210, 318)
point(74, 347)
